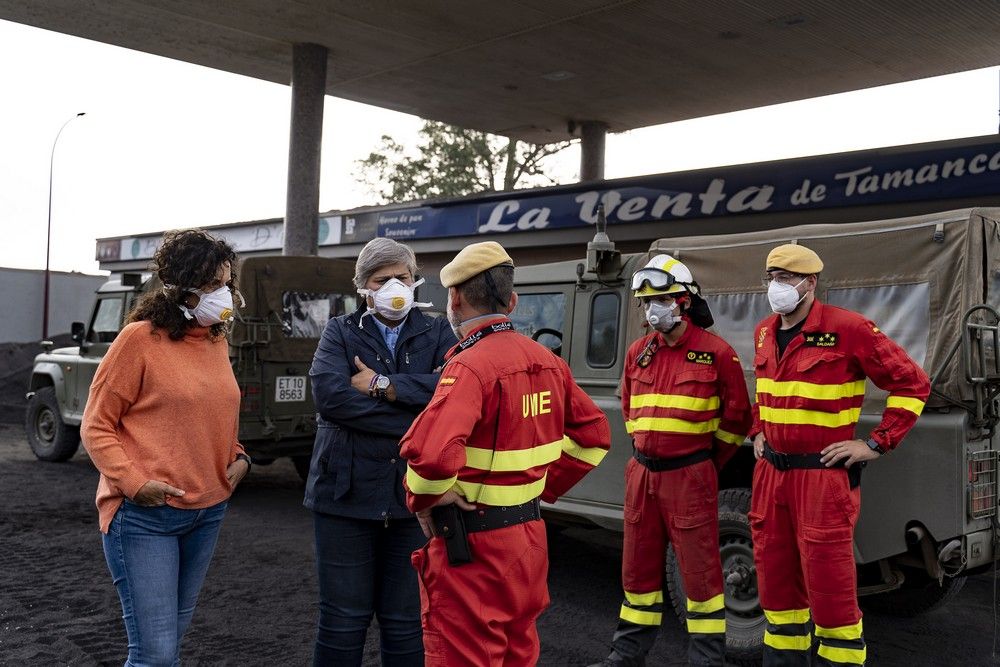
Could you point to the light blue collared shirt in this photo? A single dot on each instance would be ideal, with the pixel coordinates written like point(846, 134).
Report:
point(389, 335)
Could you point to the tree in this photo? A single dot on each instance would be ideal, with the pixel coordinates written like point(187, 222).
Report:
point(452, 161)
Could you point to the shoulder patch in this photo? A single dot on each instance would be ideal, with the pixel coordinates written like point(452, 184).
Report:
point(821, 339)
point(645, 357)
point(447, 381)
point(697, 357)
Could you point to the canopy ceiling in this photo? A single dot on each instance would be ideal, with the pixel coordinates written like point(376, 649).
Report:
point(533, 69)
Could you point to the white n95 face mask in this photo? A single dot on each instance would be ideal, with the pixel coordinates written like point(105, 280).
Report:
point(393, 300)
point(213, 307)
point(784, 298)
point(662, 317)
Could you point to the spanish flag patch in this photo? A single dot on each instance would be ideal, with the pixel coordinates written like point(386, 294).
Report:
point(447, 381)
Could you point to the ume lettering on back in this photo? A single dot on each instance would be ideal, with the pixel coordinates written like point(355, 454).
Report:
point(538, 403)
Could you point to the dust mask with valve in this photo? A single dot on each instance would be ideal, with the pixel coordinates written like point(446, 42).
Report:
point(393, 300)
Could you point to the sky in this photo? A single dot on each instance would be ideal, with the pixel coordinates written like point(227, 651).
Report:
point(166, 144)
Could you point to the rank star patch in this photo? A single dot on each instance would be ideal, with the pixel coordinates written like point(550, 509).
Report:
point(700, 357)
point(821, 340)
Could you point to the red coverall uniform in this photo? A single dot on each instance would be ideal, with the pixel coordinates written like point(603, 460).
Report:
point(678, 401)
point(507, 424)
point(803, 519)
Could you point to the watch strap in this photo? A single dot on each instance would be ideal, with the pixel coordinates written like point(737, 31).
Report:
point(874, 446)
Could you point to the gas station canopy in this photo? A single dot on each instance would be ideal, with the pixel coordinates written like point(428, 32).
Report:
point(536, 70)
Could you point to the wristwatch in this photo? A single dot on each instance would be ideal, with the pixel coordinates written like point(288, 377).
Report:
point(874, 446)
point(380, 384)
point(245, 457)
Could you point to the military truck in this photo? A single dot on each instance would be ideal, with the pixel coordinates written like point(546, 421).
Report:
point(271, 344)
point(929, 509)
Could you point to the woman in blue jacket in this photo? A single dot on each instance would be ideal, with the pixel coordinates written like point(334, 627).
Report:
point(373, 372)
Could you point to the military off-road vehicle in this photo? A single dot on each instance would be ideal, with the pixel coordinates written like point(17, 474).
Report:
point(932, 283)
point(273, 338)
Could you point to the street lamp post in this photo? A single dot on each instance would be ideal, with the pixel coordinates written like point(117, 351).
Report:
point(48, 231)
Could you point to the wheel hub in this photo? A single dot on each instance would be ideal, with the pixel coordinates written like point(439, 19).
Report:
point(739, 575)
point(45, 425)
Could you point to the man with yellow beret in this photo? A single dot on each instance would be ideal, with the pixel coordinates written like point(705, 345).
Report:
point(811, 363)
point(507, 426)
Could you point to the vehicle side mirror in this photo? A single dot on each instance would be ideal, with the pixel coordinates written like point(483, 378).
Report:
point(77, 330)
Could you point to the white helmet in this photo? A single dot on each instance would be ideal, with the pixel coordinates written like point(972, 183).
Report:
point(663, 275)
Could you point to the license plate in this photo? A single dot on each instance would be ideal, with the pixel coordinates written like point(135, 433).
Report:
point(289, 388)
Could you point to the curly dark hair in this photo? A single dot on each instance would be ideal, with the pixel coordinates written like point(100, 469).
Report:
point(187, 258)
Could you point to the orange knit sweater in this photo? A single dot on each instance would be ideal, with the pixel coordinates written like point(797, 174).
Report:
point(162, 410)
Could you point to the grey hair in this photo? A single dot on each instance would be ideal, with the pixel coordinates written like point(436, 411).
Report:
point(381, 252)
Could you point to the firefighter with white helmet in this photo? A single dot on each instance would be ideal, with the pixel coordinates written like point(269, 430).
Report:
point(686, 406)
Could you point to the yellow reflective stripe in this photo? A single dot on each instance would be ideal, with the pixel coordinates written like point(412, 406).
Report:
point(846, 656)
point(788, 642)
point(787, 617)
point(497, 494)
point(811, 417)
point(810, 389)
point(514, 460)
point(708, 606)
point(590, 455)
point(673, 401)
point(847, 632)
point(706, 626)
point(421, 485)
point(671, 263)
point(629, 426)
point(671, 425)
point(914, 405)
point(641, 617)
point(644, 599)
point(731, 438)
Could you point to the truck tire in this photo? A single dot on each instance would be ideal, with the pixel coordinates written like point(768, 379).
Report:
point(49, 437)
point(734, 500)
point(744, 618)
point(918, 595)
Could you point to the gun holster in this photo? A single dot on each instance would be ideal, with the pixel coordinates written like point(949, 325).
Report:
point(450, 526)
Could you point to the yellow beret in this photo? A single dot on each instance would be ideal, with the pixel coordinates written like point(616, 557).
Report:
point(794, 259)
point(473, 260)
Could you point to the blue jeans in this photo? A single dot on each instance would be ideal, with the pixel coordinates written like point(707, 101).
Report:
point(158, 557)
point(364, 569)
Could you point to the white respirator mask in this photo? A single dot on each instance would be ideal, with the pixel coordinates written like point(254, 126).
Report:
point(784, 298)
point(213, 307)
point(393, 300)
point(662, 317)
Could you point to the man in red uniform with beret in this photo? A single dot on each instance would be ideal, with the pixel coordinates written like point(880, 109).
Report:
point(506, 427)
point(811, 363)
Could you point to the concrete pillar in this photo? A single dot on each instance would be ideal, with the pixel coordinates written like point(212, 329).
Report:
point(592, 134)
point(304, 144)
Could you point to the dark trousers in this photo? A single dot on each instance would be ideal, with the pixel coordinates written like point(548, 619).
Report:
point(364, 570)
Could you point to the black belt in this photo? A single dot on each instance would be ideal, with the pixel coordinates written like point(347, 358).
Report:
point(783, 462)
point(659, 465)
point(454, 524)
point(491, 518)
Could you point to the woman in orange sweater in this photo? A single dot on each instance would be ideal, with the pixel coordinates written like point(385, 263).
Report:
point(161, 427)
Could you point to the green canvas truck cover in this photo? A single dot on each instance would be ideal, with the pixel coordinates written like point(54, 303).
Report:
point(915, 277)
